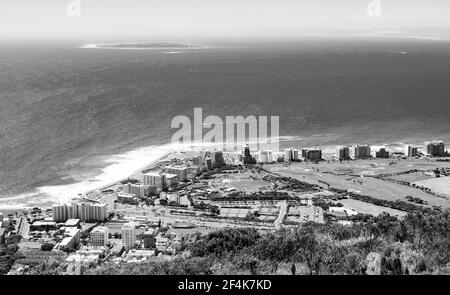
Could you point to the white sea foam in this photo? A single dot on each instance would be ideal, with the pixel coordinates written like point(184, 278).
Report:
point(137, 46)
point(27, 200)
point(118, 167)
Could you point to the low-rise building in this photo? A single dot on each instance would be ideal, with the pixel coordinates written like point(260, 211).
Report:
point(170, 179)
point(74, 222)
point(347, 211)
point(172, 198)
point(117, 249)
point(135, 255)
point(184, 201)
point(43, 225)
point(178, 243)
point(71, 238)
point(127, 198)
point(162, 243)
point(35, 257)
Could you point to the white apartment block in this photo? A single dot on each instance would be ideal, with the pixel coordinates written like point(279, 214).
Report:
point(99, 236)
point(129, 235)
point(154, 179)
point(83, 211)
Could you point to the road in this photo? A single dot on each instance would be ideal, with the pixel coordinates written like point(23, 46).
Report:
point(23, 227)
point(283, 210)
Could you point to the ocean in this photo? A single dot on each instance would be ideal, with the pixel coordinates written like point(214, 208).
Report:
point(73, 117)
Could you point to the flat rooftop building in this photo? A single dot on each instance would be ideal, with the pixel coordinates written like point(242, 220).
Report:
point(412, 151)
point(127, 198)
point(382, 153)
point(312, 154)
point(265, 156)
point(436, 148)
point(129, 235)
point(72, 222)
point(362, 151)
point(154, 179)
point(170, 179)
point(83, 211)
point(139, 190)
point(181, 172)
point(344, 153)
point(99, 236)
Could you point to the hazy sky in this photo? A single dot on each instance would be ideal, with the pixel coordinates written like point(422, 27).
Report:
point(131, 19)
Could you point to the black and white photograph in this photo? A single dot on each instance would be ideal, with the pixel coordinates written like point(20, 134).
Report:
point(215, 138)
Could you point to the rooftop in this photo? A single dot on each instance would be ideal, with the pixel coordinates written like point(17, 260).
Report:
point(99, 229)
point(72, 222)
point(169, 175)
point(152, 173)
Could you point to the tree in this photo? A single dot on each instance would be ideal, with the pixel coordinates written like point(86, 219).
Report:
point(69, 249)
point(11, 249)
point(13, 239)
point(310, 250)
point(293, 269)
point(47, 247)
point(84, 235)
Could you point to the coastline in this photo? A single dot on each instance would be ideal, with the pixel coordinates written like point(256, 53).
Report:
point(119, 167)
point(150, 165)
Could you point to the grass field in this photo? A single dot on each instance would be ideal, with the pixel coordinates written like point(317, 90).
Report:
point(439, 185)
point(412, 177)
point(358, 176)
point(247, 181)
point(367, 208)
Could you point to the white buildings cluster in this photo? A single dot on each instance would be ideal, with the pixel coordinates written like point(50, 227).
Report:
point(154, 182)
